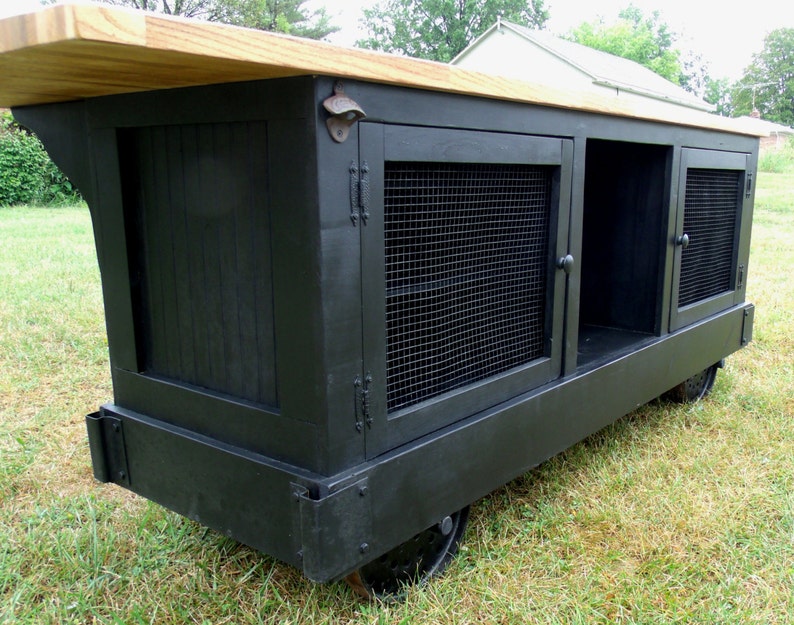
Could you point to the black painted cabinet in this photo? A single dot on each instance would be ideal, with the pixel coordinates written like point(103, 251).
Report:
point(323, 348)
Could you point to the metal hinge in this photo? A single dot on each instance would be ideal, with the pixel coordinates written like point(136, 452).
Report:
point(362, 402)
point(359, 192)
point(748, 192)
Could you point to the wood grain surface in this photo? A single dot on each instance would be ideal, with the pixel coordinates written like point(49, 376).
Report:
point(71, 52)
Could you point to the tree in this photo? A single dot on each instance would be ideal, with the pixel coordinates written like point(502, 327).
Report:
point(768, 83)
point(283, 16)
point(694, 76)
point(440, 29)
point(201, 9)
point(718, 93)
point(644, 39)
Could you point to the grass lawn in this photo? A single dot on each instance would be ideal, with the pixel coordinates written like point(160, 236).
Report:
point(675, 514)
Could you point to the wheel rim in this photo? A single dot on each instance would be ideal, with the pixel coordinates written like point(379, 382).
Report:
point(414, 561)
point(699, 385)
point(694, 388)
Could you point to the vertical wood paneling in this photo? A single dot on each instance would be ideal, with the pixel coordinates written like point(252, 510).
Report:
point(202, 251)
point(181, 264)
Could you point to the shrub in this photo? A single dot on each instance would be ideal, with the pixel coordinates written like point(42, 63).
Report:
point(27, 175)
point(779, 160)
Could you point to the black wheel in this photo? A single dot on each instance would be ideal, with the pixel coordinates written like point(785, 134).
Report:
point(413, 562)
point(695, 388)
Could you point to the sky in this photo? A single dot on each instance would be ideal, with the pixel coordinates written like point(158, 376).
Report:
point(725, 32)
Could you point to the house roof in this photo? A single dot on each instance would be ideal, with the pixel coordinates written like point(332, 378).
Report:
point(603, 68)
point(766, 128)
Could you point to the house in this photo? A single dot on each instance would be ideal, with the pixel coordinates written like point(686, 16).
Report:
point(773, 136)
point(538, 56)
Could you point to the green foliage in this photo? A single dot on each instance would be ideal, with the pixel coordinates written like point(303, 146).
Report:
point(778, 161)
point(768, 83)
point(440, 29)
point(202, 9)
point(283, 16)
point(644, 39)
point(718, 93)
point(27, 175)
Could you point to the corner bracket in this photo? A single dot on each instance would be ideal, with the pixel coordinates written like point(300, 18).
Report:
point(108, 449)
point(336, 530)
point(747, 324)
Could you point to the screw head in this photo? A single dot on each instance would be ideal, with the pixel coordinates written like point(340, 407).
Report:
point(364, 548)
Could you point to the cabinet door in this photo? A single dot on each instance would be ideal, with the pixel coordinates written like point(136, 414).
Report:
point(711, 252)
point(463, 298)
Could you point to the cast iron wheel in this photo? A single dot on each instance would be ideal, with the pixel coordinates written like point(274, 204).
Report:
point(413, 562)
point(695, 388)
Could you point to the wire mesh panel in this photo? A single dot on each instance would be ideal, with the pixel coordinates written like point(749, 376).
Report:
point(466, 273)
point(710, 210)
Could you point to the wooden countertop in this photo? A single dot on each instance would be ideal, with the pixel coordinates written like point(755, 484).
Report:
point(72, 52)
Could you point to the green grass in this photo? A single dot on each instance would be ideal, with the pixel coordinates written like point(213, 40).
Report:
point(779, 159)
point(674, 514)
point(774, 192)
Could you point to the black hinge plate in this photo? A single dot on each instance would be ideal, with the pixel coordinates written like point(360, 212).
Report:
point(359, 193)
point(362, 409)
point(355, 193)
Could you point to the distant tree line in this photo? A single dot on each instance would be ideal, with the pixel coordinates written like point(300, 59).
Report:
point(440, 29)
point(283, 16)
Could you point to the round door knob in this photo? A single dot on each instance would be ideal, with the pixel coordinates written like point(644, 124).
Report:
point(565, 263)
point(683, 241)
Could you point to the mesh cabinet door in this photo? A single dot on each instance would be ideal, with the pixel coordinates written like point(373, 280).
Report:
point(711, 250)
point(462, 297)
